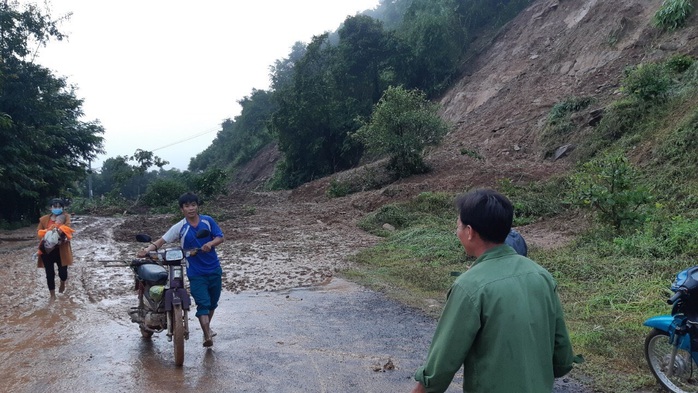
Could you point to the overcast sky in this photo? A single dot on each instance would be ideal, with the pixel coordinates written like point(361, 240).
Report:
point(161, 75)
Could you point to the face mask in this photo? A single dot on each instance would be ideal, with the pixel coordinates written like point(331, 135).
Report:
point(57, 211)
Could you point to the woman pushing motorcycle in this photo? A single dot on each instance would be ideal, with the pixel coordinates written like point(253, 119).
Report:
point(204, 269)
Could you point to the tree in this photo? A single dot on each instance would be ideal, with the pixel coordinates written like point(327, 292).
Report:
point(609, 185)
point(46, 146)
point(313, 119)
point(127, 176)
point(434, 32)
point(240, 139)
point(403, 123)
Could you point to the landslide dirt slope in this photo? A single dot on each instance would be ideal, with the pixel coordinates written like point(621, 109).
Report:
point(552, 51)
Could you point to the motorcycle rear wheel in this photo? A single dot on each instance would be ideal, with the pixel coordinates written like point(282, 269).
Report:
point(658, 350)
point(178, 334)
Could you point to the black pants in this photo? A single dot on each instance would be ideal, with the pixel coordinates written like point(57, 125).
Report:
point(54, 257)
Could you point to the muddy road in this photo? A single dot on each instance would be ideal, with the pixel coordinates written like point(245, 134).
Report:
point(286, 323)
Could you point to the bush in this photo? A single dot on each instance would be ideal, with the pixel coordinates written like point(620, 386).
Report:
point(337, 189)
point(679, 63)
point(648, 81)
point(533, 201)
point(559, 123)
point(210, 183)
point(673, 14)
point(621, 118)
point(563, 109)
point(662, 237)
point(609, 186)
point(428, 208)
point(163, 192)
point(402, 125)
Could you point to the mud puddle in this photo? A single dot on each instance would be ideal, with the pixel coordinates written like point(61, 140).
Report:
point(329, 336)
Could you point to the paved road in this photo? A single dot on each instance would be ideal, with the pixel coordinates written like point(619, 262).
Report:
point(332, 338)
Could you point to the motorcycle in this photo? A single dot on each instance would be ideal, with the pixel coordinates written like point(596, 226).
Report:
point(671, 347)
point(163, 300)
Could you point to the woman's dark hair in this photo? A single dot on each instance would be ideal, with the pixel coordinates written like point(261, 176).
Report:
point(189, 197)
point(488, 212)
point(57, 201)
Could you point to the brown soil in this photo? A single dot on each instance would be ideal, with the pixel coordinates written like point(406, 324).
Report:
point(553, 50)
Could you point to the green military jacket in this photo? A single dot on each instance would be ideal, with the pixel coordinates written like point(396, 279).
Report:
point(504, 324)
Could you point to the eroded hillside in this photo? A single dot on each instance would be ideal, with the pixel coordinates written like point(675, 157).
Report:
point(552, 51)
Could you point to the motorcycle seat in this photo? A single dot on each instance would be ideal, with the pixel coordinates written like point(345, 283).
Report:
point(152, 273)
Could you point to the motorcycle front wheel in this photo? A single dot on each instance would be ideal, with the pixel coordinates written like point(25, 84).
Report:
point(658, 351)
point(146, 333)
point(178, 334)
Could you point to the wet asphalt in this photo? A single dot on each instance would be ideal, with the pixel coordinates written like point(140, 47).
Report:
point(338, 337)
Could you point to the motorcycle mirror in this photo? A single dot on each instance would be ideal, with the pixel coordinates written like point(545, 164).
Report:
point(203, 233)
point(142, 238)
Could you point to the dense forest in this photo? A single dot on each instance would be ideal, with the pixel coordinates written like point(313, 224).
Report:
point(325, 90)
point(321, 94)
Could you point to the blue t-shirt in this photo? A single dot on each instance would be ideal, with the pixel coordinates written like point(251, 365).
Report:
point(203, 262)
point(517, 242)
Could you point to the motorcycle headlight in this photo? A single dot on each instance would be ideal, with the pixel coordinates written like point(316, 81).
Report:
point(174, 254)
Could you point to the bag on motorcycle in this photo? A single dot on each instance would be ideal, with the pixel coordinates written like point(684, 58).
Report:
point(156, 292)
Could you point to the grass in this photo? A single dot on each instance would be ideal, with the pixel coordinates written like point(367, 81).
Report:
point(608, 284)
point(610, 281)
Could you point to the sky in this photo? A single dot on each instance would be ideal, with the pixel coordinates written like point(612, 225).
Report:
point(162, 75)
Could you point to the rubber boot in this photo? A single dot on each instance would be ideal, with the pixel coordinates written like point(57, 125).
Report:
point(61, 288)
point(204, 320)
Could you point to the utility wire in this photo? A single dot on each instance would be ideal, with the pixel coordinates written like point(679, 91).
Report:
point(174, 143)
point(186, 139)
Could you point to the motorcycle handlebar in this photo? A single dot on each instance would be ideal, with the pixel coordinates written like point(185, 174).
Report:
point(675, 297)
point(153, 256)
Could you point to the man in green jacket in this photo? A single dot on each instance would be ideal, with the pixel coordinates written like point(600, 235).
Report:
point(502, 321)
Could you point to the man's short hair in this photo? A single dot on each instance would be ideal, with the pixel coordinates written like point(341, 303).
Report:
point(188, 197)
point(487, 212)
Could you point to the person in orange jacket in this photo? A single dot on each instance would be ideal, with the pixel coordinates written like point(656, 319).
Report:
point(55, 233)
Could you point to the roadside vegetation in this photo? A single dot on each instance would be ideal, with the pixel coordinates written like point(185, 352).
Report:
point(639, 189)
point(330, 108)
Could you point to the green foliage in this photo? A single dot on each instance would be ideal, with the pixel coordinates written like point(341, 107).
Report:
point(649, 90)
point(313, 119)
point(46, 146)
point(437, 40)
point(647, 82)
point(559, 122)
point(420, 211)
point(402, 125)
point(622, 117)
point(673, 14)
point(680, 147)
point(679, 63)
point(127, 175)
point(662, 237)
point(163, 192)
point(610, 186)
point(240, 139)
point(107, 204)
point(471, 153)
point(535, 201)
point(563, 109)
point(210, 183)
point(321, 88)
point(337, 189)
